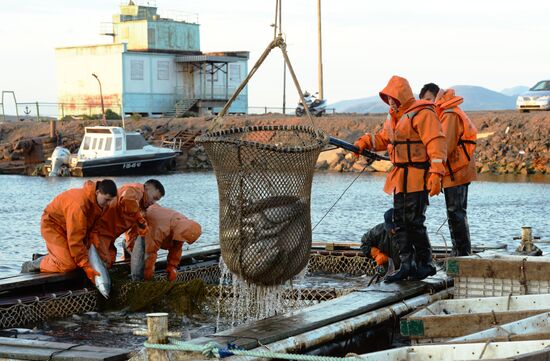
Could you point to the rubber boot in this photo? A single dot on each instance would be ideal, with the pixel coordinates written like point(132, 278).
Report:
point(456, 199)
point(31, 266)
point(424, 270)
point(405, 270)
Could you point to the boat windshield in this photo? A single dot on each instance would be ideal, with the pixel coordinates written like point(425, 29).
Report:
point(135, 141)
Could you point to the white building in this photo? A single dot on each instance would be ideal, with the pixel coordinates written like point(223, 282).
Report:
point(154, 66)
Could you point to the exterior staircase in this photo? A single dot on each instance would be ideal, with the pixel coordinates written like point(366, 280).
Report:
point(183, 106)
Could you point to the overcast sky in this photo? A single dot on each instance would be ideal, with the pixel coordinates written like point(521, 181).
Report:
point(495, 44)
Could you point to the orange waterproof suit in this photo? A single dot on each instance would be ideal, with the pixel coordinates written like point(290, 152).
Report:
point(121, 216)
point(168, 229)
point(461, 135)
point(413, 137)
point(65, 226)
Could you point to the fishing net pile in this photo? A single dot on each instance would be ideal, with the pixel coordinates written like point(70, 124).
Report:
point(264, 176)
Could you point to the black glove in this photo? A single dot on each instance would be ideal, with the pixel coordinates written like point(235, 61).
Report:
point(380, 270)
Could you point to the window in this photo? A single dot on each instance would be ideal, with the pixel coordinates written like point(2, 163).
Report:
point(235, 72)
point(135, 141)
point(94, 143)
point(118, 143)
point(136, 69)
point(209, 76)
point(100, 145)
point(86, 143)
point(163, 68)
point(108, 144)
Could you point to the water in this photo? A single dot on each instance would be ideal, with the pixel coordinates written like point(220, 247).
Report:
point(498, 207)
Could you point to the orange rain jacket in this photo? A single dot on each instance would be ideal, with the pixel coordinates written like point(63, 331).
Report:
point(413, 137)
point(461, 135)
point(168, 229)
point(121, 216)
point(65, 226)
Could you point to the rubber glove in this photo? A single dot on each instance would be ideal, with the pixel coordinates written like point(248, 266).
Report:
point(363, 143)
point(172, 275)
point(434, 184)
point(378, 256)
point(90, 273)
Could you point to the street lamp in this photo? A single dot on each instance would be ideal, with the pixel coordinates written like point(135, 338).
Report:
point(101, 95)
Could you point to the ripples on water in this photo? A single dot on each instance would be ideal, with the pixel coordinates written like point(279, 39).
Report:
point(497, 209)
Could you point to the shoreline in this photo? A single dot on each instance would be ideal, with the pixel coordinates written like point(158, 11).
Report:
point(508, 143)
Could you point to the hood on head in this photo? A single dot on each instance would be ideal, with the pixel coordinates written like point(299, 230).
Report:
point(448, 99)
point(399, 89)
point(186, 229)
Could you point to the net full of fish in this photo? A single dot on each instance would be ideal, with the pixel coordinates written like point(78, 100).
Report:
point(264, 176)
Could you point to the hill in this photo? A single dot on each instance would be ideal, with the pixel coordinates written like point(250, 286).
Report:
point(475, 98)
point(515, 91)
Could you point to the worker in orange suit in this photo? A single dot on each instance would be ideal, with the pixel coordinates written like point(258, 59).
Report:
point(129, 209)
point(416, 145)
point(66, 224)
point(460, 168)
point(168, 229)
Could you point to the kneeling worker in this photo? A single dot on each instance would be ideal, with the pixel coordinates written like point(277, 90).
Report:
point(167, 229)
point(66, 224)
point(379, 244)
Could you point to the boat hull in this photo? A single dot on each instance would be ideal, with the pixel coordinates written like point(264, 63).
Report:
point(127, 165)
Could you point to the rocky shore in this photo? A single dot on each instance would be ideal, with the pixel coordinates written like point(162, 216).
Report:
point(508, 143)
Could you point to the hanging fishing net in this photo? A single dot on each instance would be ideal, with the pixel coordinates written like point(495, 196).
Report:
point(264, 176)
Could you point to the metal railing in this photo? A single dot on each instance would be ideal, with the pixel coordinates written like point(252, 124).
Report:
point(217, 92)
point(47, 110)
point(280, 110)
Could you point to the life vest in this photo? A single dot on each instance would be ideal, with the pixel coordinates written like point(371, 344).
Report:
point(463, 153)
point(406, 148)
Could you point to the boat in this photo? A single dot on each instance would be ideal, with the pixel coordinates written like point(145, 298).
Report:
point(111, 151)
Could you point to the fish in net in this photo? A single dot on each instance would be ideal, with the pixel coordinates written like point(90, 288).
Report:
point(264, 176)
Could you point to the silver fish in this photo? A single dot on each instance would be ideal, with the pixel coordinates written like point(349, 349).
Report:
point(137, 262)
point(103, 281)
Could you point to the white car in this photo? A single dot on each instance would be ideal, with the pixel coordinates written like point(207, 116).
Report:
point(537, 98)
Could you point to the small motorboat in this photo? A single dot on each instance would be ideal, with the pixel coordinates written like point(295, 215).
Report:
point(111, 151)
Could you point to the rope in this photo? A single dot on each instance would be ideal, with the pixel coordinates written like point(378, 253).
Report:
point(341, 195)
point(212, 349)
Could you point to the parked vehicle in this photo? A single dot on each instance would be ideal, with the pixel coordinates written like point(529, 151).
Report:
point(537, 98)
point(317, 107)
point(111, 151)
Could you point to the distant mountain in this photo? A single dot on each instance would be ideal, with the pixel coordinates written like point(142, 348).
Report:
point(515, 91)
point(475, 98)
point(364, 105)
point(479, 98)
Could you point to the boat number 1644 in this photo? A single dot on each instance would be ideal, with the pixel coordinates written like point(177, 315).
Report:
point(131, 165)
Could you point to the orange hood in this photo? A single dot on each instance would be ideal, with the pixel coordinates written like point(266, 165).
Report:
point(185, 229)
point(449, 100)
point(399, 89)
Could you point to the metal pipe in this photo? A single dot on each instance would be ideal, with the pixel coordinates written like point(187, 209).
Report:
point(101, 96)
point(331, 332)
point(321, 95)
point(352, 148)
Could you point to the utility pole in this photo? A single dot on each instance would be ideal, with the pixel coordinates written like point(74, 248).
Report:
point(321, 95)
point(284, 87)
point(101, 96)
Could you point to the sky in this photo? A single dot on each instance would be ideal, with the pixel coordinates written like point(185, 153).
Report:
point(494, 44)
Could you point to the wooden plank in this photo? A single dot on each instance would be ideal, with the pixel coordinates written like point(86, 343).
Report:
point(531, 328)
point(517, 268)
point(21, 349)
point(448, 326)
point(39, 279)
point(283, 326)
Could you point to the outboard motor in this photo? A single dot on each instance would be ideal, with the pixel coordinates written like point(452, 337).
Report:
point(60, 156)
